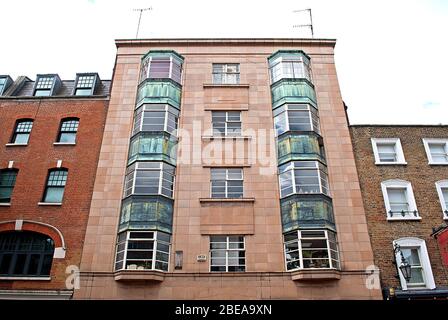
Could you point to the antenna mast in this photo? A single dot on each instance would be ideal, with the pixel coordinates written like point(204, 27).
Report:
point(310, 25)
point(140, 17)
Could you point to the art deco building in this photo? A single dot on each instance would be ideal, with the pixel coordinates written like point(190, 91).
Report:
point(403, 173)
point(50, 138)
point(226, 172)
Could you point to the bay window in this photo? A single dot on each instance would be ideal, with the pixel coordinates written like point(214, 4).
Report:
point(149, 178)
point(156, 117)
point(311, 249)
point(303, 177)
point(294, 65)
point(143, 250)
point(161, 66)
point(296, 117)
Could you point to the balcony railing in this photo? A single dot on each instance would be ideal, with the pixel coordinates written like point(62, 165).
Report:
point(153, 146)
point(146, 213)
point(159, 91)
point(293, 91)
point(307, 211)
point(300, 147)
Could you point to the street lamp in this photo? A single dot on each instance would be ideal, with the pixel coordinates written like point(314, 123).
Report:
point(404, 267)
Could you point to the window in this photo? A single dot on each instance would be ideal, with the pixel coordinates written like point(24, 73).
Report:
point(7, 182)
point(399, 200)
point(44, 86)
point(388, 151)
point(148, 178)
point(226, 73)
point(442, 190)
point(296, 117)
point(227, 254)
point(303, 177)
point(22, 131)
point(226, 123)
point(161, 67)
point(293, 66)
point(56, 181)
point(227, 183)
point(436, 150)
point(311, 249)
point(156, 117)
point(5, 82)
point(25, 254)
point(68, 129)
point(2, 84)
point(415, 252)
point(85, 85)
point(143, 250)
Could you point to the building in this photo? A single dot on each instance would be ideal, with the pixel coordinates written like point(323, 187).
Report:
point(50, 138)
point(226, 172)
point(403, 173)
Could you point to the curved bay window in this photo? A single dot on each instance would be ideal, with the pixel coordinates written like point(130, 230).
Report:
point(293, 91)
point(311, 249)
point(153, 146)
point(143, 250)
point(146, 212)
point(161, 65)
point(303, 177)
point(156, 117)
point(7, 182)
point(300, 147)
point(149, 178)
point(25, 254)
point(296, 117)
point(289, 65)
point(311, 211)
point(159, 91)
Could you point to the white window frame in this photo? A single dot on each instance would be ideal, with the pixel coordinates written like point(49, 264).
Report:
point(227, 249)
point(226, 123)
point(226, 183)
point(285, 110)
point(439, 185)
point(299, 240)
point(426, 143)
point(154, 249)
point(390, 184)
point(415, 243)
point(398, 148)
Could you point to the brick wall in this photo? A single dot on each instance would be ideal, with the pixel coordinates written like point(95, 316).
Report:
point(420, 174)
point(33, 162)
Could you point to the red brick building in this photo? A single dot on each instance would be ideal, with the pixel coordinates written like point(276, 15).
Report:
point(403, 173)
point(50, 137)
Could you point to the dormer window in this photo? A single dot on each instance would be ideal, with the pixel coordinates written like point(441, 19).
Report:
point(5, 82)
point(85, 84)
point(46, 85)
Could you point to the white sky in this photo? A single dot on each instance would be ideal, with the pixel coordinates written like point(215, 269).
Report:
point(391, 55)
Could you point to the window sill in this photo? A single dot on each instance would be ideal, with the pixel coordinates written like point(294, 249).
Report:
point(139, 275)
point(404, 219)
point(226, 199)
point(226, 85)
point(391, 163)
point(207, 138)
point(315, 275)
point(438, 163)
point(49, 203)
point(5, 204)
point(64, 143)
point(16, 144)
point(26, 278)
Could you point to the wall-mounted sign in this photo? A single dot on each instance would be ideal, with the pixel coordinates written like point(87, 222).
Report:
point(201, 258)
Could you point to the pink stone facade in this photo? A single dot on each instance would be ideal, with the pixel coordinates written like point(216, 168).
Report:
point(257, 214)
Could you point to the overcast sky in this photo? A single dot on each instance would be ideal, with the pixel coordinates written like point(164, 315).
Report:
point(391, 55)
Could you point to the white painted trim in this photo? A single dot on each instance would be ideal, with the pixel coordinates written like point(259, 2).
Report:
point(49, 203)
point(64, 143)
point(10, 164)
point(426, 142)
point(5, 204)
point(19, 225)
point(439, 185)
point(409, 193)
point(36, 294)
point(16, 144)
point(398, 149)
point(26, 278)
point(410, 242)
point(59, 164)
